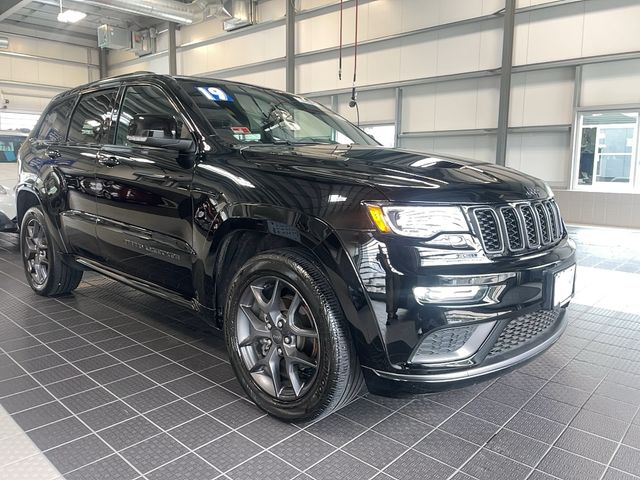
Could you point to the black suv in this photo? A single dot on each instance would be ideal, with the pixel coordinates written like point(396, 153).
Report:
point(326, 259)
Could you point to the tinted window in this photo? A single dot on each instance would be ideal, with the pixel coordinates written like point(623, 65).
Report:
point(54, 125)
point(91, 118)
point(149, 100)
point(9, 146)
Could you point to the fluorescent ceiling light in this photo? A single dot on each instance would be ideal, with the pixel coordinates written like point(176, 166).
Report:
point(71, 16)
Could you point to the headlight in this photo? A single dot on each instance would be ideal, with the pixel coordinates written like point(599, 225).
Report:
point(423, 222)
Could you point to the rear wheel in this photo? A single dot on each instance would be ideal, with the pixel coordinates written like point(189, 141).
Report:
point(287, 338)
point(46, 273)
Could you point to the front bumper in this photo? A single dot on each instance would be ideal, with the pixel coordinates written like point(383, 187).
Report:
point(516, 298)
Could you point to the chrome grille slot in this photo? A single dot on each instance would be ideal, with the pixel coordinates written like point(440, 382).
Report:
point(543, 222)
point(519, 227)
point(489, 230)
point(512, 226)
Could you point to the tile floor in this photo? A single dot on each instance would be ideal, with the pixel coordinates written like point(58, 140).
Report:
point(107, 384)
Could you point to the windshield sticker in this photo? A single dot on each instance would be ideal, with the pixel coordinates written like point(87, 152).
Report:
point(215, 94)
point(242, 130)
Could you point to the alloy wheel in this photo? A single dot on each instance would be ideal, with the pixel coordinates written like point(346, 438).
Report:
point(277, 337)
point(36, 252)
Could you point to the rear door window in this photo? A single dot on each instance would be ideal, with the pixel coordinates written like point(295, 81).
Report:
point(92, 117)
point(54, 124)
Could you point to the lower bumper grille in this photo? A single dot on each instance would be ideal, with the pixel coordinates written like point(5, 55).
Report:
point(523, 330)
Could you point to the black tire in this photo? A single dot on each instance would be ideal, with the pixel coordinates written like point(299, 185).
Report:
point(338, 377)
point(60, 278)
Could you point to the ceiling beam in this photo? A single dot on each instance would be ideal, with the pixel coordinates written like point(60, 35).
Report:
point(9, 7)
point(44, 33)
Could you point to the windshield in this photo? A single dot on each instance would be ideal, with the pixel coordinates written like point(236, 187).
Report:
point(9, 146)
point(241, 114)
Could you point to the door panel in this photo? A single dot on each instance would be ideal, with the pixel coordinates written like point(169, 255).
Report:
point(144, 203)
point(76, 161)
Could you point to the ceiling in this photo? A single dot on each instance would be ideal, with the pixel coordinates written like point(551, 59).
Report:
point(39, 18)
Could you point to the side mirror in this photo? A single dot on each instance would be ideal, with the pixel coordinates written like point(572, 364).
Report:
point(157, 130)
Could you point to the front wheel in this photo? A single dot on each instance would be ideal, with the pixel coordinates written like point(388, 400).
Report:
point(287, 337)
point(46, 273)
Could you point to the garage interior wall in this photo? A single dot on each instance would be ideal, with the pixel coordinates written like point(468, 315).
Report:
point(429, 67)
point(33, 70)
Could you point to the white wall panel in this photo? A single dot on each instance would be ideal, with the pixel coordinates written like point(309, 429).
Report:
point(613, 83)
point(542, 98)
point(375, 107)
point(477, 147)
point(611, 26)
point(549, 34)
point(270, 9)
point(543, 155)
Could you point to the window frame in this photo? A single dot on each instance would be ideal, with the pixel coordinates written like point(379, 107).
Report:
point(37, 130)
point(117, 87)
point(171, 98)
point(633, 186)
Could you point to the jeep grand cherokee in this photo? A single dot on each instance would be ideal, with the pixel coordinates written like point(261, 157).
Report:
point(326, 259)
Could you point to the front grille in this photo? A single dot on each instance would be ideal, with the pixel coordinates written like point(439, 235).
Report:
point(523, 330)
point(518, 228)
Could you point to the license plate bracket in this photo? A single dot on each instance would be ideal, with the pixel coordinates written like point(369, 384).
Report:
point(559, 286)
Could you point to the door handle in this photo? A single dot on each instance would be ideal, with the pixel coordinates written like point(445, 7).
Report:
point(108, 161)
point(53, 154)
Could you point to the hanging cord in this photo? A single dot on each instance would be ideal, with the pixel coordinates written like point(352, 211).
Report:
point(340, 50)
point(353, 102)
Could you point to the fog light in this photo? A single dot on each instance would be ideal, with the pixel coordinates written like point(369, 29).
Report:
point(454, 294)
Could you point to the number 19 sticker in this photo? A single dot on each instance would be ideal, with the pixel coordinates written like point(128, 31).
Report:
point(215, 94)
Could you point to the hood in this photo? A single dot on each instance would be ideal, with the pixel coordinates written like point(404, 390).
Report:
point(402, 176)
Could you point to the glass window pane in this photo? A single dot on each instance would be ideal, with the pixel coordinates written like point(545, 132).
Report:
point(90, 120)
point(614, 168)
point(587, 152)
point(147, 100)
point(385, 134)
point(54, 125)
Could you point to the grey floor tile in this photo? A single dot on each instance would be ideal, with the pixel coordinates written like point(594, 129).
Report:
point(173, 414)
point(151, 399)
point(268, 430)
point(148, 362)
point(56, 374)
point(188, 467)
point(153, 452)
point(470, 428)
point(112, 467)
point(95, 363)
point(107, 415)
point(487, 465)
point(42, 415)
point(211, 398)
point(627, 459)
point(238, 413)
point(17, 385)
point(167, 373)
point(567, 465)
point(302, 450)
point(403, 429)
point(28, 399)
point(414, 465)
point(586, 445)
point(341, 466)
point(71, 386)
point(130, 385)
point(614, 474)
point(447, 448)
point(610, 407)
point(266, 467)
point(551, 409)
point(78, 453)
point(518, 447)
point(365, 412)
point(599, 425)
point(200, 362)
point(374, 449)
point(218, 374)
point(565, 394)
point(489, 410)
point(87, 400)
point(57, 433)
point(335, 430)
point(503, 393)
point(129, 432)
point(229, 451)
point(199, 431)
point(632, 438)
point(188, 385)
point(427, 411)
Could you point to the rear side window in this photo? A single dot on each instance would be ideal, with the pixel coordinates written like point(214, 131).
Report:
point(91, 119)
point(54, 125)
